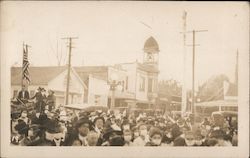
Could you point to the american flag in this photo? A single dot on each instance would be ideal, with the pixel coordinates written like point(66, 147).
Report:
point(25, 69)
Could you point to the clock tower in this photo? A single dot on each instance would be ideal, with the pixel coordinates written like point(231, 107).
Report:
point(151, 52)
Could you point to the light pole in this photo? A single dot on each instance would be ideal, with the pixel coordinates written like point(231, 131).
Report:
point(114, 84)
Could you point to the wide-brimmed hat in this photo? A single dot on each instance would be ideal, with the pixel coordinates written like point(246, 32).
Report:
point(22, 127)
point(99, 118)
point(52, 126)
point(108, 131)
point(153, 131)
point(83, 121)
point(41, 89)
point(218, 133)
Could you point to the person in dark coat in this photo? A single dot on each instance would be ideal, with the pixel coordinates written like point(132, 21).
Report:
point(51, 100)
point(23, 96)
point(40, 99)
point(82, 128)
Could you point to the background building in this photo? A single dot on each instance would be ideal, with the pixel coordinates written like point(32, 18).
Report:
point(53, 78)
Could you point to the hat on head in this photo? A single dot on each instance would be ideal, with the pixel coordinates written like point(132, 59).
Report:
point(111, 130)
point(53, 126)
point(99, 118)
point(22, 127)
point(153, 131)
point(83, 121)
point(179, 141)
point(218, 134)
point(84, 114)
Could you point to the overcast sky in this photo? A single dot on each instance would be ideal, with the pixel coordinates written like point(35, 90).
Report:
point(112, 32)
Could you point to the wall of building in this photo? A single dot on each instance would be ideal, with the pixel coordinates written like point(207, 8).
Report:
point(76, 88)
point(58, 85)
point(97, 92)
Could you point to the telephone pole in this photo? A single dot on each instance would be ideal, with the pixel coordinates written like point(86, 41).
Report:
point(193, 66)
point(184, 91)
point(69, 66)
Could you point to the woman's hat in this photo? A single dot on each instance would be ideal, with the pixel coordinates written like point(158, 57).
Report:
point(22, 127)
point(111, 130)
point(83, 121)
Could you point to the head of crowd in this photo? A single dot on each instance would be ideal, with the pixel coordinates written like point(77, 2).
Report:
point(60, 126)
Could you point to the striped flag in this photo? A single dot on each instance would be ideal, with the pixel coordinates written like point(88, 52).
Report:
point(25, 69)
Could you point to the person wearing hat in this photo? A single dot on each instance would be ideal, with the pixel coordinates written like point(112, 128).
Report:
point(219, 135)
point(179, 141)
point(83, 126)
point(167, 139)
point(144, 137)
point(24, 116)
point(22, 129)
point(40, 98)
point(127, 135)
point(189, 138)
point(92, 138)
point(113, 137)
point(155, 137)
point(53, 135)
point(51, 100)
point(34, 136)
point(98, 128)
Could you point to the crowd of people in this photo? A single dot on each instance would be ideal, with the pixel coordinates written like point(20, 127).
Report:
point(48, 125)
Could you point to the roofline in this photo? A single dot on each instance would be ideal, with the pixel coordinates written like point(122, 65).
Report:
point(79, 78)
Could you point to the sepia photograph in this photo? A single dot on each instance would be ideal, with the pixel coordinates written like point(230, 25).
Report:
point(109, 76)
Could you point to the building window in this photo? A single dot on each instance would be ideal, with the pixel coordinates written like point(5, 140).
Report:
point(142, 83)
point(15, 93)
point(150, 85)
point(97, 99)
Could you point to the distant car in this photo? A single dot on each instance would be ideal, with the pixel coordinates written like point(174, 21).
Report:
point(219, 116)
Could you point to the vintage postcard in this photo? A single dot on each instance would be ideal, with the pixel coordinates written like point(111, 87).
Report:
point(124, 79)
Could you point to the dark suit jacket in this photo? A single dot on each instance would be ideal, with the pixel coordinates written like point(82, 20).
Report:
point(25, 97)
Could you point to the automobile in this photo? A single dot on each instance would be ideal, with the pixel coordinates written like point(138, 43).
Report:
point(219, 116)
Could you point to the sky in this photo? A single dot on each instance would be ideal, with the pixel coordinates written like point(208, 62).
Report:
point(114, 32)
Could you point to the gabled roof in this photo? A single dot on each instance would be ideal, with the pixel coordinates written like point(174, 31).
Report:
point(38, 75)
point(99, 72)
point(94, 69)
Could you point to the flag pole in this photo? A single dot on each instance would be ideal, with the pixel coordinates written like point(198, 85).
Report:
point(22, 66)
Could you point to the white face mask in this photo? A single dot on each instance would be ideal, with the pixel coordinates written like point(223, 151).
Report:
point(156, 141)
point(198, 142)
point(127, 138)
point(169, 135)
point(37, 115)
point(143, 132)
point(190, 142)
point(24, 115)
point(208, 127)
point(136, 134)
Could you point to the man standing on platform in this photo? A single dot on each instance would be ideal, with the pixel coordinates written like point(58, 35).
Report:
point(40, 100)
point(23, 95)
point(51, 100)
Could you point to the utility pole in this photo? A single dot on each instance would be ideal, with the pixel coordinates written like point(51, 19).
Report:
point(184, 91)
point(69, 67)
point(193, 67)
